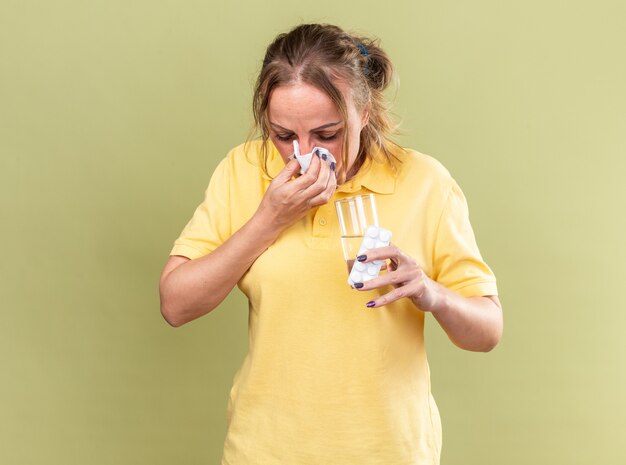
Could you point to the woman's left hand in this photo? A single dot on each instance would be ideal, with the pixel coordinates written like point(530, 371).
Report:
point(472, 323)
point(406, 276)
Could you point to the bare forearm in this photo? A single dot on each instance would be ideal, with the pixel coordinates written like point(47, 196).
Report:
point(198, 286)
point(472, 323)
point(195, 287)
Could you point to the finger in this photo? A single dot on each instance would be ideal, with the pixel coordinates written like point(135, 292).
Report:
point(331, 182)
point(291, 169)
point(393, 278)
point(315, 167)
point(332, 174)
point(321, 183)
point(328, 191)
point(392, 296)
point(390, 252)
point(310, 177)
point(330, 169)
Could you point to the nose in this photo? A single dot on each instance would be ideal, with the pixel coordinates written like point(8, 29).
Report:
point(306, 146)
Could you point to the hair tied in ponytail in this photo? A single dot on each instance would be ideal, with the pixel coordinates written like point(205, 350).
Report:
point(327, 57)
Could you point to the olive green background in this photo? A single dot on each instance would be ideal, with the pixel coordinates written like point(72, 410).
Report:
point(113, 115)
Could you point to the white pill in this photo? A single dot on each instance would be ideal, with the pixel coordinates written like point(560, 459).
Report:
point(355, 276)
point(372, 231)
point(374, 237)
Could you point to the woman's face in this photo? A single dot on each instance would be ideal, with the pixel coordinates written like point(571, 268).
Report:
point(303, 112)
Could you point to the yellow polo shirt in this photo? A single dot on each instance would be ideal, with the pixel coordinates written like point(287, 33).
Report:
point(326, 380)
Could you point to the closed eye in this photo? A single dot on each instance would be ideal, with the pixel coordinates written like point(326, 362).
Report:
point(284, 138)
point(327, 138)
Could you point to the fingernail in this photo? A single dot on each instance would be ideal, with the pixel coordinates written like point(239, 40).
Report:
point(324, 157)
point(332, 165)
point(370, 304)
point(358, 285)
point(361, 258)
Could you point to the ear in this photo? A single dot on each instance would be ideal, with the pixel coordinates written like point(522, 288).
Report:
point(365, 117)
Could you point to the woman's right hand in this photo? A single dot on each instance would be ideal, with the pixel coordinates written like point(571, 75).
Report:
point(287, 200)
point(192, 288)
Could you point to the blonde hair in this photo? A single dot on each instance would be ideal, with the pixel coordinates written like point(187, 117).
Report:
point(319, 54)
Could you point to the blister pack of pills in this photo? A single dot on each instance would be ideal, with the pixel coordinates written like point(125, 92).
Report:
point(374, 238)
point(305, 160)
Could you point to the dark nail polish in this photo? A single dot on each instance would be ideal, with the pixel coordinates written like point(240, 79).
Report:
point(358, 285)
point(370, 304)
point(361, 258)
point(332, 165)
point(324, 157)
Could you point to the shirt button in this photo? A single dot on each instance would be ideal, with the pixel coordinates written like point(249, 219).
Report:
point(322, 221)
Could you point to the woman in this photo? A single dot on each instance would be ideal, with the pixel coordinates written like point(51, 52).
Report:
point(334, 375)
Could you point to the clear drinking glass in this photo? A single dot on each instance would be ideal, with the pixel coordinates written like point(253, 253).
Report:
point(355, 214)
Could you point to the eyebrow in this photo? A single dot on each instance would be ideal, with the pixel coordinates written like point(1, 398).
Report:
point(312, 130)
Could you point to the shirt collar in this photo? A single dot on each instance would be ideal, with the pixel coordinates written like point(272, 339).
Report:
point(374, 175)
point(275, 162)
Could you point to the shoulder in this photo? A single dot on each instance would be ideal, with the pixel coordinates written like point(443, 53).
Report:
point(255, 158)
point(246, 155)
point(238, 181)
point(243, 162)
point(415, 163)
point(418, 170)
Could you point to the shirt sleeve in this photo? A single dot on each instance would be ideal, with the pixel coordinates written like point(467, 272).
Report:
point(210, 225)
point(458, 264)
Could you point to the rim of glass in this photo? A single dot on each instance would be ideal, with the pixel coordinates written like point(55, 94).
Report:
point(352, 197)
